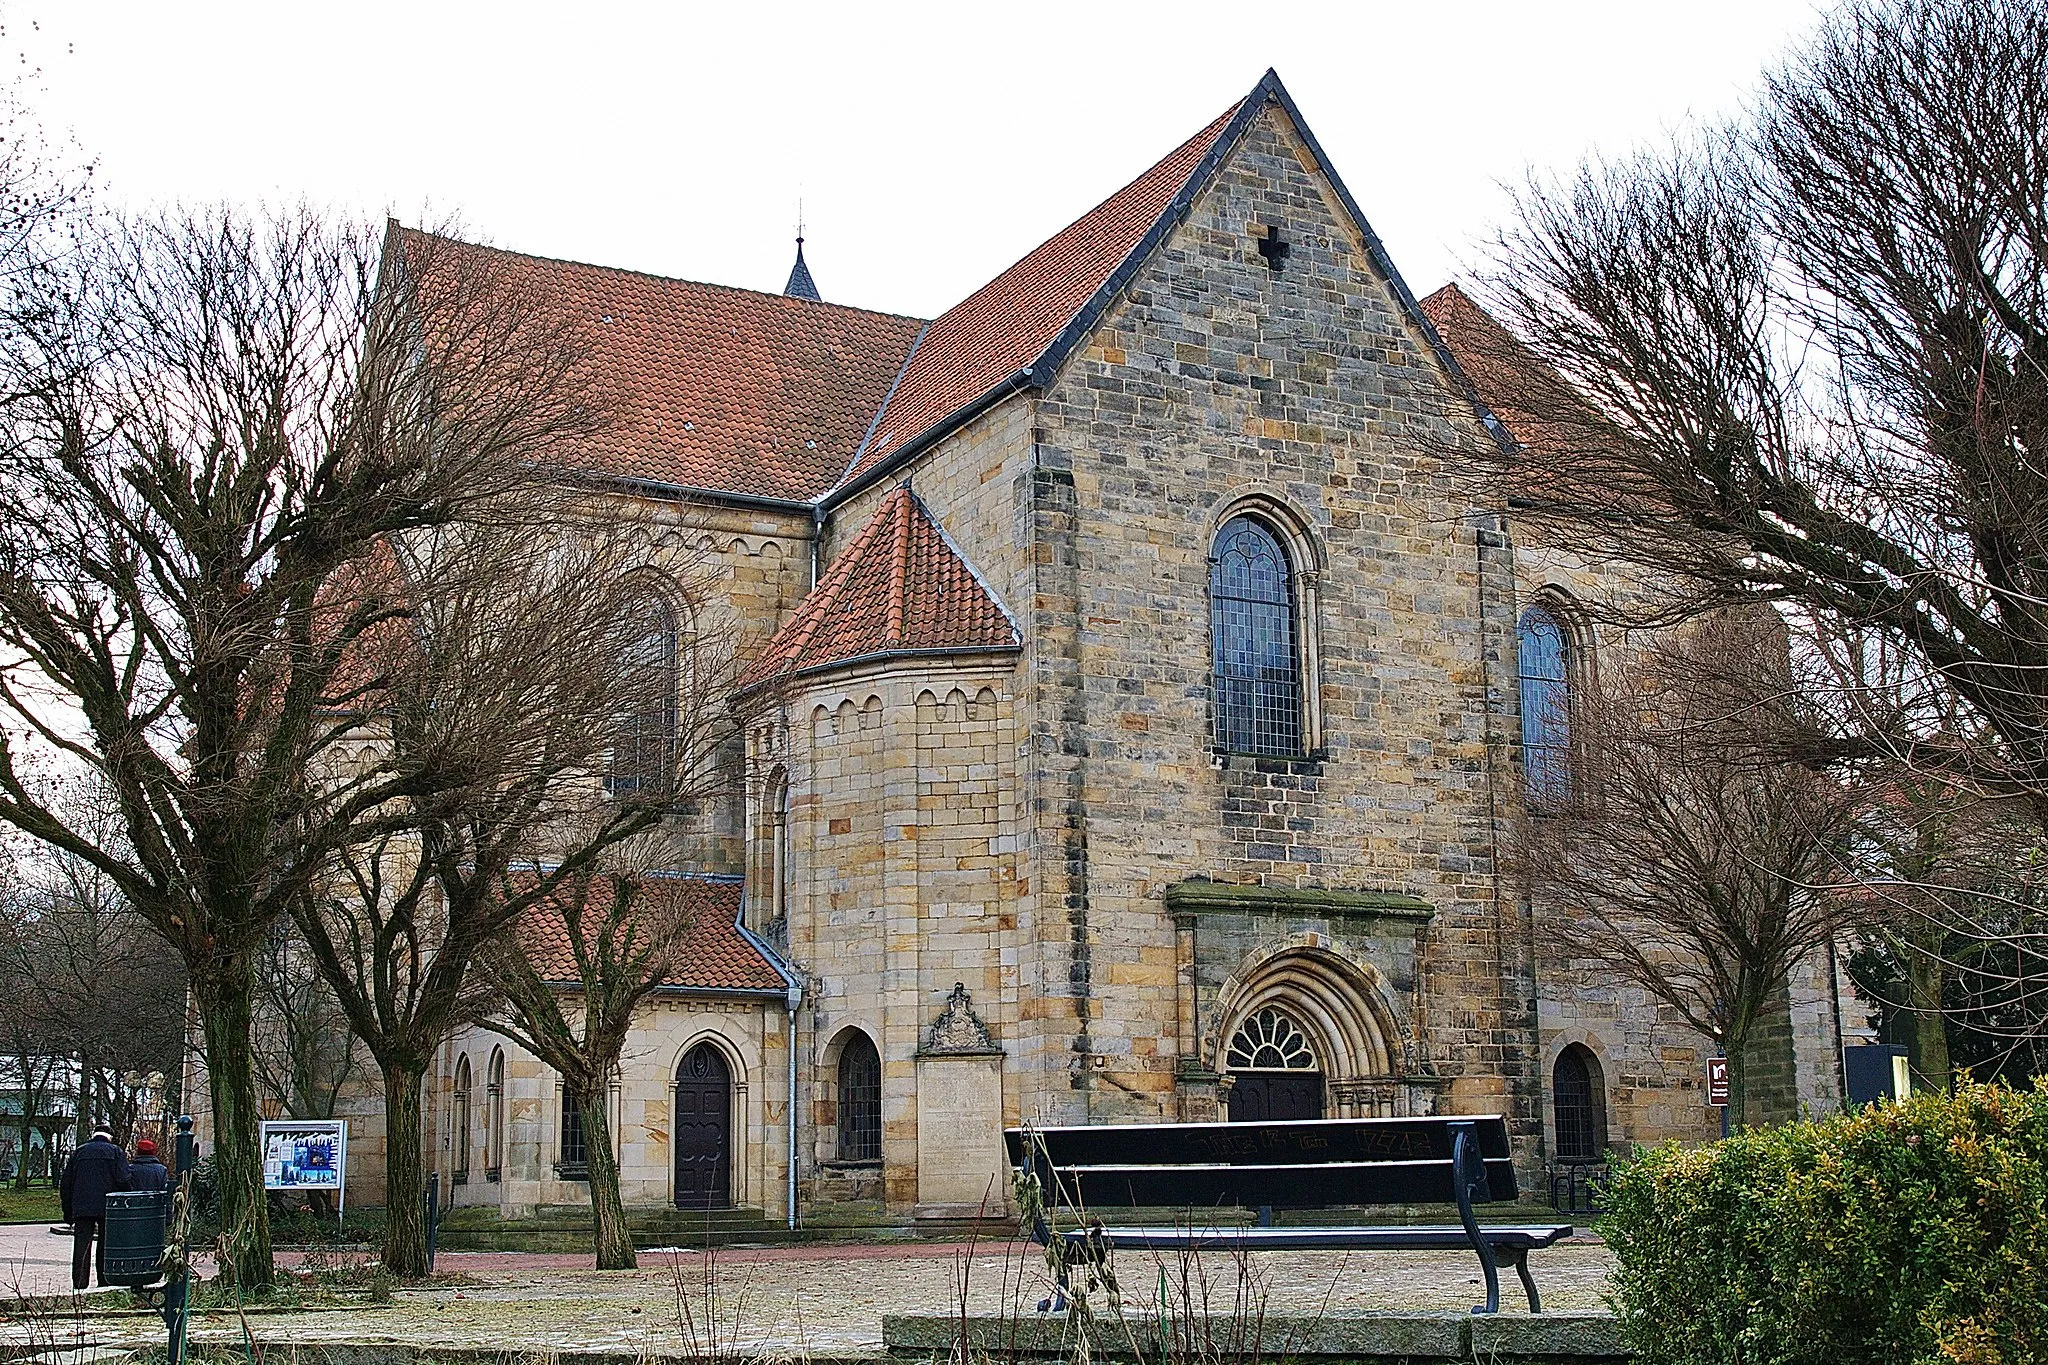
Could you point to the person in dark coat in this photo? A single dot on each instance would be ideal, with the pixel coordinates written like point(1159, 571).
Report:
point(146, 1172)
point(95, 1170)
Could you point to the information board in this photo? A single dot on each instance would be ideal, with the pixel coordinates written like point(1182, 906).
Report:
point(305, 1155)
point(1717, 1082)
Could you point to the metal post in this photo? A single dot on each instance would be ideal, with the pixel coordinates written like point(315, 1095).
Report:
point(433, 1217)
point(178, 1284)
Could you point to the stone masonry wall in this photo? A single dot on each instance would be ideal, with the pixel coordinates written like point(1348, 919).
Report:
point(1212, 380)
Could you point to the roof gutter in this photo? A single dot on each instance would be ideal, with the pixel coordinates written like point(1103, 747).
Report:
point(682, 492)
point(929, 437)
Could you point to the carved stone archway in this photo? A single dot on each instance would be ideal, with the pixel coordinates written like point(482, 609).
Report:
point(1342, 1006)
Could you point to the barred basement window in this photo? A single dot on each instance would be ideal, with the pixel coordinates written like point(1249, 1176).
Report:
point(1255, 661)
point(860, 1100)
point(1269, 1041)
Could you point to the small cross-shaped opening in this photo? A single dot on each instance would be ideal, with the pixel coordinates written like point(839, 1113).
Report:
point(1271, 247)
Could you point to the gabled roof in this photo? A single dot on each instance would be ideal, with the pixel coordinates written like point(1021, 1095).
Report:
point(1008, 325)
point(771, 396)
point(1018, 329)
point(716, 954)
point(899, 588)
point(721, 389)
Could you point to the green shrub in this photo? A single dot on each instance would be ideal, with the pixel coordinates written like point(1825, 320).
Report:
point(1899, 1233)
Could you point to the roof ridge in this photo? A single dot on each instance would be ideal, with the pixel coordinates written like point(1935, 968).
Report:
point(899, 562)
point(665, 279)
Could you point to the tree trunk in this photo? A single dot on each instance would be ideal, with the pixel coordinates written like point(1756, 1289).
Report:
point(223, 997)
point(31, 1101)
point(1924, 982)
point(607, 1208)
point(405, 1174)
point(1733, 1048)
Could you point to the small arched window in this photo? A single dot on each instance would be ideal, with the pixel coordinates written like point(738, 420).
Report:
point(494, 1132)
point(462, 1134)
point(1577, 1095)
point(1543, 652)
point(644, 746)
point(860, 1100)
point(1255, 661)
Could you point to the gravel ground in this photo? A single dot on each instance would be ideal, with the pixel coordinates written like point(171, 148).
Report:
point(830, 1300)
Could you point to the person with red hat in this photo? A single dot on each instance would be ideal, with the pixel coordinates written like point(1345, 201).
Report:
point(146, 1172)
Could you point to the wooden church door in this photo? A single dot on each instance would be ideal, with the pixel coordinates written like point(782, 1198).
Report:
point(703, 1130)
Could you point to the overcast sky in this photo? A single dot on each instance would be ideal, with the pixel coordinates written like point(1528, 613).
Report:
point(931, 145)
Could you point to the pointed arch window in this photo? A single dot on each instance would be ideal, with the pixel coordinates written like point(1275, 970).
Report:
point(860, 1100)
point(644, 745)
point(494, 1130)
point(462, 1134)
point(1544, 660)
point(1255, 658)
point(1579, 1105)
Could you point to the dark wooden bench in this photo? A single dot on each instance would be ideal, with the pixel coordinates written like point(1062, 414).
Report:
point(1305, 1164)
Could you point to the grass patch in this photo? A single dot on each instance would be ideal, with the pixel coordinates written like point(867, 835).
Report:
point(37, 1204)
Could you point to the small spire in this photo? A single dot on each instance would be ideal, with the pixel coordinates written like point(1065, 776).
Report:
point(801, 285)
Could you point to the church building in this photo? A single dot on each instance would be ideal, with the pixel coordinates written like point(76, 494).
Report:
point(1134, 709)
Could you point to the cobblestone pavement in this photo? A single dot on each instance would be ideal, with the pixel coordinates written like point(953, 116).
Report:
point(830, 1300)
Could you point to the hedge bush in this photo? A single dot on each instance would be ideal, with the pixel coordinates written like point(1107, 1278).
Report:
point(1898, 1233)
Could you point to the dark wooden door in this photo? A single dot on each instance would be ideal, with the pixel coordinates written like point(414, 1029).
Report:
point(1262, 1096)
point(703, 1130)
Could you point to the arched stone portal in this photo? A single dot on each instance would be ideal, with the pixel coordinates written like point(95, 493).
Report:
point(1337, 1011)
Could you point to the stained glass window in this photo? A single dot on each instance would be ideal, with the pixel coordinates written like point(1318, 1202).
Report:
point(1254, 660)
point(1546, 708)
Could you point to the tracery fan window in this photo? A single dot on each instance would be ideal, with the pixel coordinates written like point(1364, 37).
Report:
point(1269, 1041)
point(1254, 655)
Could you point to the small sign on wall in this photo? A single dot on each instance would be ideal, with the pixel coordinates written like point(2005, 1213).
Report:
point(1717, 1082)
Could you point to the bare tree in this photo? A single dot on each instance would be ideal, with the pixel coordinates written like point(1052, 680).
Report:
point(554, 733)
point(304, 1053)
point(572, 973)
point(1805, 360)
point(1689, 860)
point(206, 421)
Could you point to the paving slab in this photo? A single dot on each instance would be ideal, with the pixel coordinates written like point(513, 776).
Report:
point(830, 1301)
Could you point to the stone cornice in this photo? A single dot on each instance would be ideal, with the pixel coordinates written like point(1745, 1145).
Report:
point(1225, 898)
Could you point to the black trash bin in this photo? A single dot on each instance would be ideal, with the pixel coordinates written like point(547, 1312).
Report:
point(135, 1237)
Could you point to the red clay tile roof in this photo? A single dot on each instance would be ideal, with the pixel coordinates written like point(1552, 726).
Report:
point(719, 388)
point(1007, 324)
point(715, 957)
point(1530, 399)
point(898, 588)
